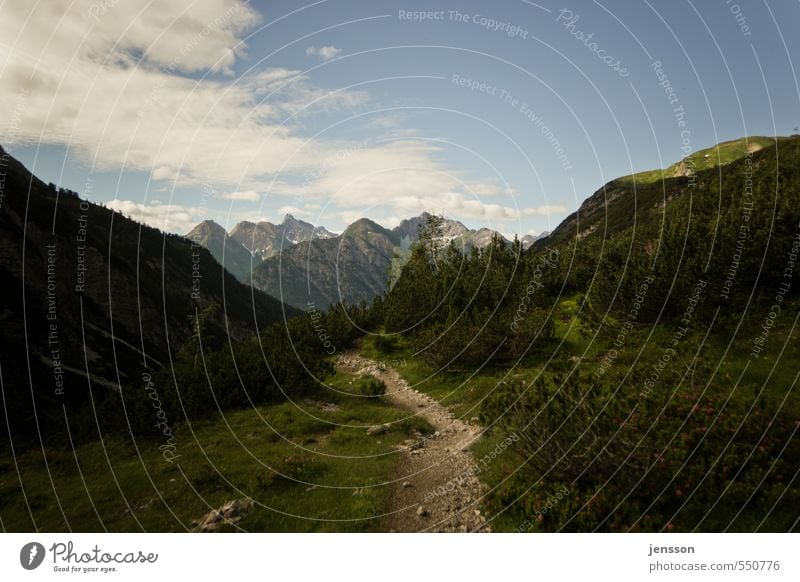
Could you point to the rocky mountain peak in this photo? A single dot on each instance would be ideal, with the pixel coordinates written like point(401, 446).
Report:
point(207, 227)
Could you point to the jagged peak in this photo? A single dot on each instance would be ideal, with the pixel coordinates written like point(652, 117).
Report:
point(289, 218)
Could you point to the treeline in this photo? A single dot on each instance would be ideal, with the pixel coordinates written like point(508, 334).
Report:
point(462, 309)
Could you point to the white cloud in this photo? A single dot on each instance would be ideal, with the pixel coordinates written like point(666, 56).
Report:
point(326, 53)
point(348, 217)
point(458, 205)
point(481, 189)
point(179, 35)
point(293, 210)
point(546, 210)
point(244, 196)
point(403, 178)
point(167, 217)
point(110, 81)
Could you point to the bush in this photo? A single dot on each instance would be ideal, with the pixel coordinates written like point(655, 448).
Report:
point(686, 457)
point(373, 387)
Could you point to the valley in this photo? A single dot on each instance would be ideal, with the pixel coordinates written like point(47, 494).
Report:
point(586, 383)
point(426, 274)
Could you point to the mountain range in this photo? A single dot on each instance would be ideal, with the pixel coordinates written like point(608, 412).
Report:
point(251, 243)
point(265, 240)
point(309, 266)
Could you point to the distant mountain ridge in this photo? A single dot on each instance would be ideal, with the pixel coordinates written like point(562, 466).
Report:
point(409, 228)
point(350, 268)
point(250, 243)
point(528, 240)
point(309, 266)
point(226, 249)
point(265, 240)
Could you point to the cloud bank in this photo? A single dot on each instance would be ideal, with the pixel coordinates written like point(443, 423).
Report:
point(152, 86)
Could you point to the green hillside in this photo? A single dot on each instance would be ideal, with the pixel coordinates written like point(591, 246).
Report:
point(627, 200)
point(718, 155)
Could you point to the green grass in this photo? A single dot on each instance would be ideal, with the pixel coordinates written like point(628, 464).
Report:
point(571, 326)
point(718, 155)
point(324, 469)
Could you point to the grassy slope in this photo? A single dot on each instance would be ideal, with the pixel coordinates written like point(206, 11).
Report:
point(223, 460)
point(718, 155)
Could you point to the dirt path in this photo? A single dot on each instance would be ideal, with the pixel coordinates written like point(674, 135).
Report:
point(436, 488)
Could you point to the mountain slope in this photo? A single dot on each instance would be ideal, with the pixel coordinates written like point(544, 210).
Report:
point(622, 201)
point(452, 231)
point(262, 239)
point(528, 240)
point(409, 229)
point(93, 300)
point(351, 268)
point(228, 251)
point(265, 240)
point(297, 231)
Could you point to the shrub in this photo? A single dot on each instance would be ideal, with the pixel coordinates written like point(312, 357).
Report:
point(373, 387)
point(685, 457)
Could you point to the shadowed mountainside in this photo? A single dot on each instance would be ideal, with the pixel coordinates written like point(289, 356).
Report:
point(93, 300)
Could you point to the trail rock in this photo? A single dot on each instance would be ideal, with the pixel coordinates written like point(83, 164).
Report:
point(231, 512)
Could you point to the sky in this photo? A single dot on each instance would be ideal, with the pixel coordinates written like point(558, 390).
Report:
point(504, 114)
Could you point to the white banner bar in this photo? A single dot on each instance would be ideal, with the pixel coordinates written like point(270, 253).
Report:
point(389, 557)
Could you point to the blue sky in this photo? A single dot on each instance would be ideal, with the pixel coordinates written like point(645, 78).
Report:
point(504, 114)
